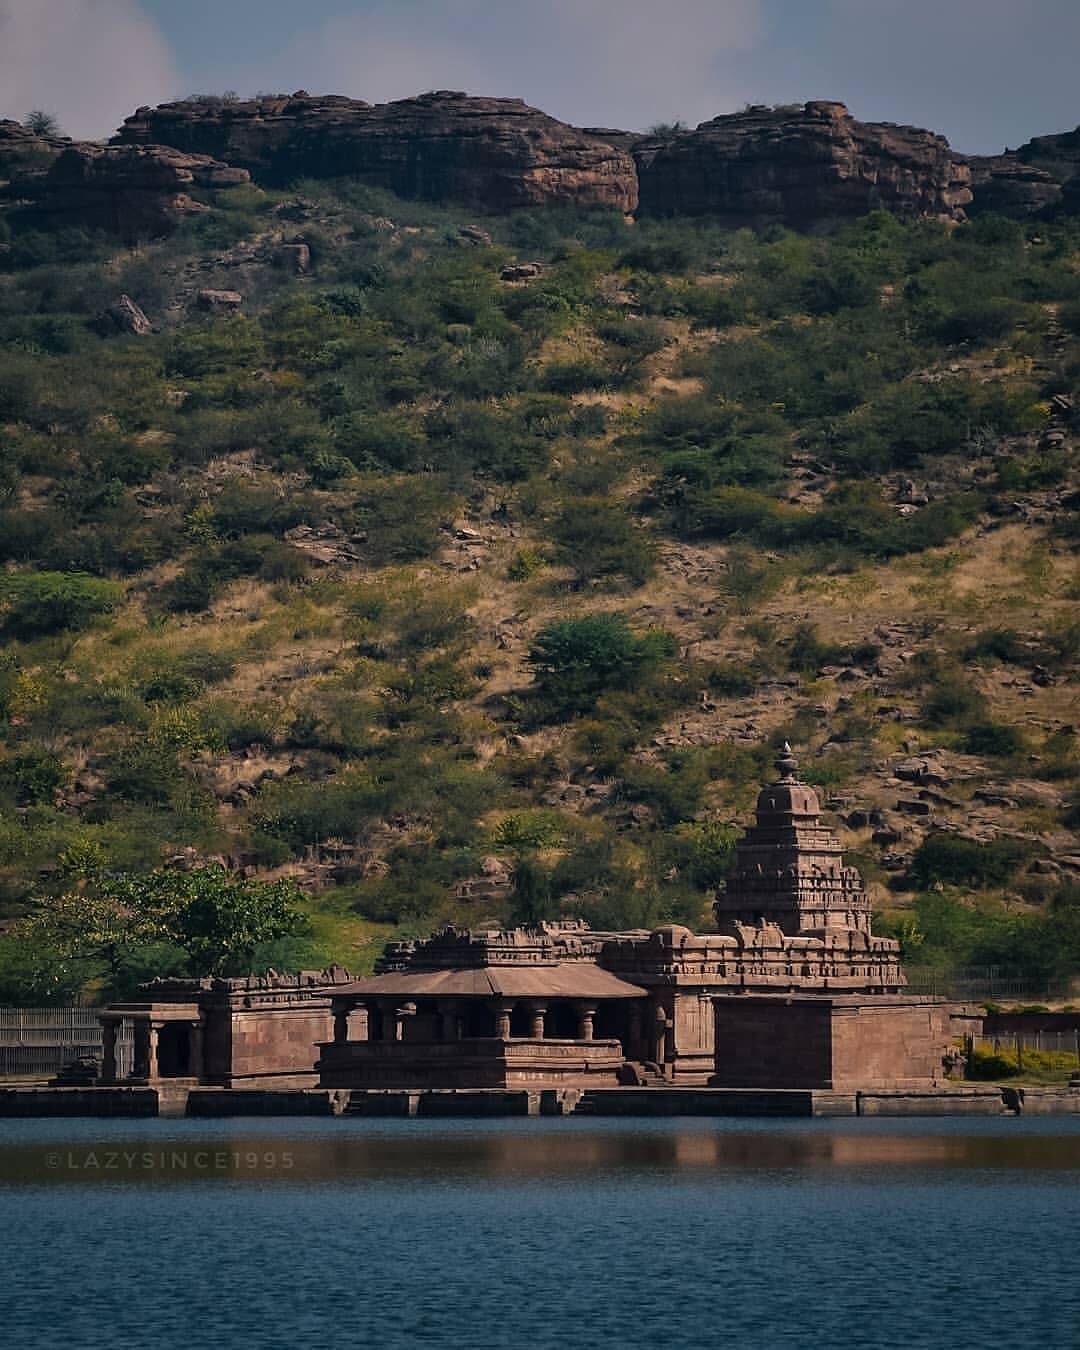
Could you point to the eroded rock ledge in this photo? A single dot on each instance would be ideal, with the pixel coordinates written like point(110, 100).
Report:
point(496, 153)
point(801, 164)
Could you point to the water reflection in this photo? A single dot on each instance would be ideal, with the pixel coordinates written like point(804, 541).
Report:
point(521, 1156)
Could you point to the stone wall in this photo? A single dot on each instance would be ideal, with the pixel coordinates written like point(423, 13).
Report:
point(843, 1043)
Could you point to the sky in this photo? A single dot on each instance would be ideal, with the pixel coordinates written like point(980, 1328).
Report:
point(986, 73)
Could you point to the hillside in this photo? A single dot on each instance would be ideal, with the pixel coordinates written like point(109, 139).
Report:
point(468, 567)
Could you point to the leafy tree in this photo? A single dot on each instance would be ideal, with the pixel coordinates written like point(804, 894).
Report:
point(42, 123)
point(577, 660)
point(219, 920)
point(204, 922)
point(76, 937)
point(531, 900)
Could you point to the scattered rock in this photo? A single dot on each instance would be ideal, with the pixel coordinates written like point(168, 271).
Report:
point(913, 807)
point(218, 302)
point(126, 317)
point(294, 258)
point(474, 237)
point(521, 272)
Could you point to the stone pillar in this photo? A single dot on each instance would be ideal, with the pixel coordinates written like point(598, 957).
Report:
point(502, 1009)
point(341, 1024)
point(109, 1029)
point(536, 1021)
point(660, 1028)
point(586, 1012)
point(195, 1051)
point(399, 1016)
point(450, 1022)
point(152, 1049)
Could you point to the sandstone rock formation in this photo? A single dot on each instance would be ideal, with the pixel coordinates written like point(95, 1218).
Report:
point(1004, 185)
point(800, 165)
point(23, 152)
point(1059, 153)
point(130, 190)
point(492, 153)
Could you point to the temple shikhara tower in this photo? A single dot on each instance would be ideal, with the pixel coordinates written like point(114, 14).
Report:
point(789, 868)
point(793, 990)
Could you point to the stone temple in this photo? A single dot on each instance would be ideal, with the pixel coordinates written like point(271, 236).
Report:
point(793, 991)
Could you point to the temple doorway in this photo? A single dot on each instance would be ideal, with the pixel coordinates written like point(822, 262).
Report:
point(174, 1050)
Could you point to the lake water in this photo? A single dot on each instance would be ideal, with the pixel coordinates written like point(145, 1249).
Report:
point(535, 1234)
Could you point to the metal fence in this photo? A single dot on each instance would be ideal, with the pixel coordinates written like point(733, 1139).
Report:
point(977, 984)
point(1045, 1042)
point(37, 1042)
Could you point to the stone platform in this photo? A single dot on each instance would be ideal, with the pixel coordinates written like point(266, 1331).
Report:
point(210, 1103)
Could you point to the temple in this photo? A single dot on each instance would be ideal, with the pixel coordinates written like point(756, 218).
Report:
point(793, 990)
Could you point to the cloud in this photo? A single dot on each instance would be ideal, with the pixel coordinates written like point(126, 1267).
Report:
point(592, 62)
point(88, 62)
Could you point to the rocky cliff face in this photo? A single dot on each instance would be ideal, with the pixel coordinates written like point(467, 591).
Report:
point(1059, 154)
point(1004, 185)
point(130, 190)
point(486, 152)
point(800, 165)
point(24, 153)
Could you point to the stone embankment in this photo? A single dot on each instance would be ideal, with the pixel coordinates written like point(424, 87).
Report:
point(177, 1100)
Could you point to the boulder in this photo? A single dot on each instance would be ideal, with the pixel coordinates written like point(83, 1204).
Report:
point(125, 316)
point(472, 236)
point(800, 164)
point(219, 302)
point(493, 153)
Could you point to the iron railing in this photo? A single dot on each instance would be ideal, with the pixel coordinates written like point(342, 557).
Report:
point(37, 1042)
point(985, 984)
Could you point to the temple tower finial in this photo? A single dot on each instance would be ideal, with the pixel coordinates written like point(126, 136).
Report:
point(787, 765)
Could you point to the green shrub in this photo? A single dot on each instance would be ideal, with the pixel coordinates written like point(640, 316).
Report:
point(993, 738)
point(534, 829)
point(35, 604)
point(984, 1066)
point(955, 861)
point(731, 680)
point(33, 777)
point(525, 563)
point(401, 518)
point(598, 539)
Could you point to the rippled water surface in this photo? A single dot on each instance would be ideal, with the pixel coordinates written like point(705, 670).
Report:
point(525, 1235)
